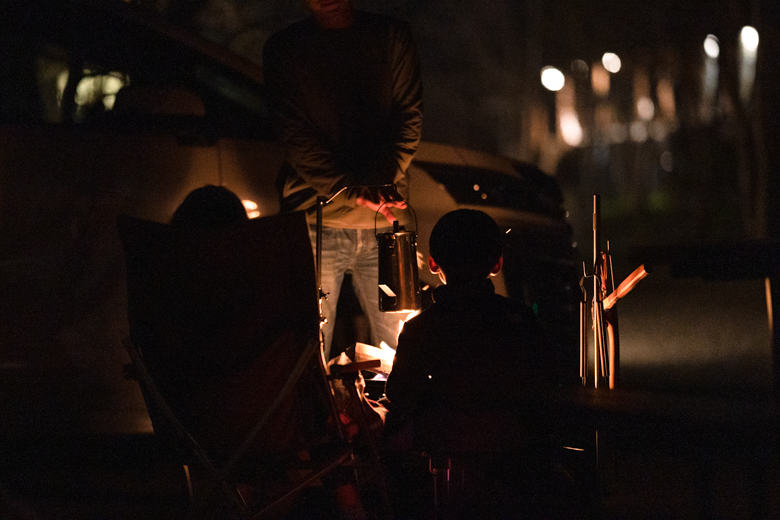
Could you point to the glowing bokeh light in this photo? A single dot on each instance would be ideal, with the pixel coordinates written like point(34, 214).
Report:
point(749, 38)
point(638, 132)
point(710, 79)
point(712, 46)
point(571, 131)
point(611, 62)
point(92, 88)
point(112, 84)
point(251, 208)
point(658, 131)
point(62, 82)
point(665, 93)
point(747, 68)
point(552, 78)
point(645, 108)
point(618, 133)
point(599, 79)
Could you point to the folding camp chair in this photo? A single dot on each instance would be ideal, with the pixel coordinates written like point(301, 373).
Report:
point(224, 340)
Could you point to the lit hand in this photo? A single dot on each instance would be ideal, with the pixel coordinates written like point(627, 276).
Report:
point(381, 200)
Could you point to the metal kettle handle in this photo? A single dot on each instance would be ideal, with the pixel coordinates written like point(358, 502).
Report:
point(395, 224)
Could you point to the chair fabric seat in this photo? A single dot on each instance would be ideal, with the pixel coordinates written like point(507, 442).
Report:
point(224, 329)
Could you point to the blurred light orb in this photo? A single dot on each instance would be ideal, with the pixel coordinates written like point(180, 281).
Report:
point(711, 46)
point(645, 108)
point(112, 84)
point(552, 79)
point(618, 133)
point(749, 38)
point(638, 132)
point(251, 208)
point(658, 131)
point(571, 131)
point(599, 79)
point(611, 62)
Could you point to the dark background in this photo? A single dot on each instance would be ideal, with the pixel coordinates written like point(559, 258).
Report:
point(709, 174)
point(481, 64)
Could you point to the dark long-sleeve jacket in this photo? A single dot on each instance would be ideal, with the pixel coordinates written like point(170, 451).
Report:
point(467, 368)
point(347, 104)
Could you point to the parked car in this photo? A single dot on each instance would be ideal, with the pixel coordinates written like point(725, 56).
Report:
point(104, 110)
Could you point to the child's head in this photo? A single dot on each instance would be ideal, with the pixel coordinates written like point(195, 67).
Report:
point(465, 244)
point(209, 206)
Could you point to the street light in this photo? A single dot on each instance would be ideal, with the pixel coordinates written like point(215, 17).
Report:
point(611, 62)
point(748, 39)
point(552, 79)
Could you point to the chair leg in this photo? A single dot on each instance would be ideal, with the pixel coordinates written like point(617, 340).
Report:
point(372, 447)
point(211, 498)
point(190, 493)
point(189, 482)
point(441, 469)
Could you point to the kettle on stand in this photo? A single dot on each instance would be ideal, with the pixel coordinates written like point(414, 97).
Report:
point(399, 280)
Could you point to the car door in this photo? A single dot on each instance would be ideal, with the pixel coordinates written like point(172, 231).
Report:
point(99, 116)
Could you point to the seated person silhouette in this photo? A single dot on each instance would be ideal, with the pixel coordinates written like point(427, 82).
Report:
point(467, 368)
point(228, 328)
point(213, 369)
point(209, 206)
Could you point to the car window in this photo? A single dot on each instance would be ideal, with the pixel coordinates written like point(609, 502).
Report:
point(82, 91)
point(69, 69)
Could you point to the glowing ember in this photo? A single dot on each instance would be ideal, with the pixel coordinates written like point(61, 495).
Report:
point(251, 208)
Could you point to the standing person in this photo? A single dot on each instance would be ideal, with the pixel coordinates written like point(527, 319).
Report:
point(345, 94)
